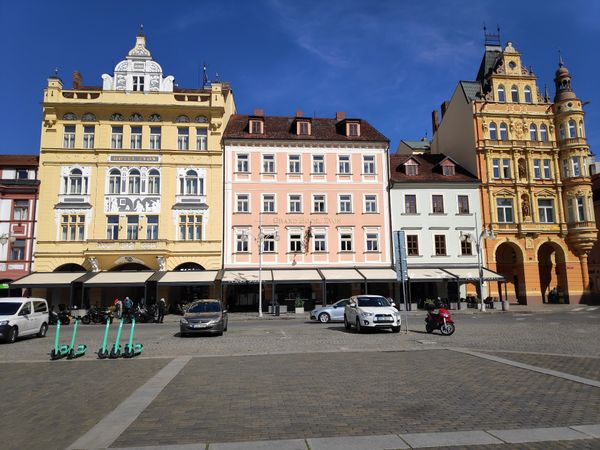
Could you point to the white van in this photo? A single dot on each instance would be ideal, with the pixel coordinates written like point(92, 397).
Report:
point(22, 316)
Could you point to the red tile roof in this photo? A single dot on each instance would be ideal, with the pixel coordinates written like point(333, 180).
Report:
point(430, 170)
point(283, 128)
point(19, 161)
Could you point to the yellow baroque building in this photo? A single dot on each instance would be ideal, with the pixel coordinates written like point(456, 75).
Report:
point(531, 155)
point(131, 186)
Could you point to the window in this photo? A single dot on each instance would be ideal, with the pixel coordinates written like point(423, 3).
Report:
point(543, 133)
point(155, 134)
point(345, 204)
point(269, 163)
point(295, 203)
point(546, 209)
point(243, 203)
point(40, 307)
point(533, 132)
point(501, 94)
point(153, 182)
point(372, 242)
point(132, 227)
point(295, 242)
point(138, 83)
point(575, 165)
point(21, 174)
point(152, 228)
point(294, 164)
point(77, 183)
point(547, 171)
point(318, 164)
point(561, 132)
point(440, 245)
point(241, 242)
point(514, 94)
point(72, 227)
point(537, 171)
point(268, 203)
point(581, 128)
point(319, 203)
point(411, 168)
point(242, 163)
point(565, 168)
point(303, 128)
point(410, 204)
point(21, 210)
point(503, 132)
point(570, 218)
point(201, 138)
point(183, 138)
point(192, 184)
point(369, 165)
point(17, 250)
point(527, 93)
point(268, 242)
point(448, 170)
point(88, 136)
point(580, 209)
point(412, 245)
point(69, 136)
point(112, 228)
point(493, 132)
point(370, 203)
point(463, 204)
point(506, 168)
point(116, 140)
point(134, 182)
point(352, 129)
point(256, 127)
point(572, 132)
point(344, 164)
point(319, 241)
point(505, 210)
point(346, 242)
point(437, 202)
point(114, 182)
point(466, 247)
point(190, 227)
point(136, 138)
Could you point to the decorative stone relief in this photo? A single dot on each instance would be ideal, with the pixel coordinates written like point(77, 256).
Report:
point(131, 203)
point(94, 264)
point(201, 119)
point(136, 117)
point(69, 116)
point(182, 119)
point(88, 117)
point(116, 117)
point(162, 263)
point(155, 118)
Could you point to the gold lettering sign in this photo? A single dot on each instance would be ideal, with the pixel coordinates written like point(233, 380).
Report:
point(134, 158)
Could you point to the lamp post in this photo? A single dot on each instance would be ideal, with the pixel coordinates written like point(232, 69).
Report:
point(468, 237)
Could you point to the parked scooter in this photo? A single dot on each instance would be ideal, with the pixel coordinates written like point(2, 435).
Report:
point(63, 315)
point(97, 315)
point(439, 319)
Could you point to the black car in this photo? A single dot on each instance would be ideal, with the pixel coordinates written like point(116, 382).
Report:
point(204, 316)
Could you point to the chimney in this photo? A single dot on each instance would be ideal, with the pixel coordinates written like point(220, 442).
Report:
point(77, 80)
point(435, 120)
point(259, 112)
point(298, 113)
point(444, 108)
point(340, 115)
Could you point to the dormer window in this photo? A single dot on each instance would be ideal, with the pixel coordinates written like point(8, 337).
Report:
point(411, 168)
point(352, 129)
point(448, 169)
point(303, 128)
point(138, 83)
point(256, 127)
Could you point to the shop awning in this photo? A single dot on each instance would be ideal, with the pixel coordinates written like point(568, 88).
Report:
point(188, 278)
point(47, 279)
point(472, 274)
point(296, 276)
point(246, 276)
point(342, 275)
point(107, 279)
point(382, 275)
point(428, 274)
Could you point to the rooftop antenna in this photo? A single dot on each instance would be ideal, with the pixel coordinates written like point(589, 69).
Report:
point(217, 78)
point(204, 75)
point(141, 32)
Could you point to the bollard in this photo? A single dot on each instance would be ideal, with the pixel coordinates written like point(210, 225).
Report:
point(115, 352)
point(103, 352)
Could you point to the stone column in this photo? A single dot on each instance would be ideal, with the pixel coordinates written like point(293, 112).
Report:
point(585, 276)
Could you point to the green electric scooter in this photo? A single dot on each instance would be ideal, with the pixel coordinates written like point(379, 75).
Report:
point(103, 352)
point(115, 351)
point(76, 352)
point(132, 350)
point(59, 351)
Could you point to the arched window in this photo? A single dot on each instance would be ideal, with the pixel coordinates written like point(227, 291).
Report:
point(503, 132)
point(76, 183)
point(114, 182)
point(543, 133)
point(501, 95)
point(191, 183)
point(533, 132)
point(527, 92)
point(493, 132)
point(561, 132)
point(134, 182)
point(572, 132)
point(581, 129)
point(153, 182)
point(514, 94)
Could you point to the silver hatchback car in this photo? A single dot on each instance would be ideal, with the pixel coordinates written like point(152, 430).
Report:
point(330, 313)
point(204, 316)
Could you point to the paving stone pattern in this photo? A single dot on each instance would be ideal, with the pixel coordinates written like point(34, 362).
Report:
point(48, 405)
point(587, 444)
point(354, 394)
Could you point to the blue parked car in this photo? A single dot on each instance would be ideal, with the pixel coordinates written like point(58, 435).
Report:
point(330, 313)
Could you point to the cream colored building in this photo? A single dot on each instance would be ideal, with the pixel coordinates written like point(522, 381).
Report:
point(131, 181)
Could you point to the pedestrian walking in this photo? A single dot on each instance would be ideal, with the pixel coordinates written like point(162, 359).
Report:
point(127, 307)
point(118, 308)
point(162, 306)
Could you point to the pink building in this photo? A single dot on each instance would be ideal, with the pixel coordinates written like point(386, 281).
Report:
point(311, 193)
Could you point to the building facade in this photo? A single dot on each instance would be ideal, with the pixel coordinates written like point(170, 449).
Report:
point(305, 199)
point(132, 185)
point(531, 156)
point(18, 215)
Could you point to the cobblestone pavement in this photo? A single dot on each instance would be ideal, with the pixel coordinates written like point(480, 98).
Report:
point(344, 394)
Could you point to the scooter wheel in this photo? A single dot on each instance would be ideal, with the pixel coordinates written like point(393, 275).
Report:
point(85, 320)
point(447, 329)
point(114, 354)
point(102, 354)
point(54, 356)
point(429, 328)
point(127, 354)
point(71, 354)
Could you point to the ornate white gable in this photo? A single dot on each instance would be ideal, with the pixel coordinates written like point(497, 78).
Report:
point(138, 72)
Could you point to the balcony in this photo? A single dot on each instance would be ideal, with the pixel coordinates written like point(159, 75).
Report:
point(573, 142)
point(582, 225)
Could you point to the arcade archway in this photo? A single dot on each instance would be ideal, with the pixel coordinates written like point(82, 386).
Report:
point(553, 273)
point(509, 263)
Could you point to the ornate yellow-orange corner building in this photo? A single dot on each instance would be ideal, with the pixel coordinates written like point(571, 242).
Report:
point(131, 184)
point(532, 158)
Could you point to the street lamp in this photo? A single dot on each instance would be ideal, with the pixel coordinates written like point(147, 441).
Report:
point(5, 238)
point(468, 237)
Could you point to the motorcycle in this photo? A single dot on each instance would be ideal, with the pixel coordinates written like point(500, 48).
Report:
point(439, 319)
point(63, 315)
point(97, 315)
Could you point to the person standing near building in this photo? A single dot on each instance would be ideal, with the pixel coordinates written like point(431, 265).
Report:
point(162, 306)
point(118, 308)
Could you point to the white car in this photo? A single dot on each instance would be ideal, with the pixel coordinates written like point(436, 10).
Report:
point(370, 312)
point(22, 316)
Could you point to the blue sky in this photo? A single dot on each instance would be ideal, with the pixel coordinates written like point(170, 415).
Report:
point(390, 62)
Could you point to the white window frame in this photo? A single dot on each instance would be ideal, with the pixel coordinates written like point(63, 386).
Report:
point(537, 169)
point(369, 165)
point(152, 227)
point(116, 137)
point(345, 202)
point(295, 240)
point(547, 169)
point(245, 201)
point(244, 159)
point(313, 209)
point(242, 240)
point(136, 138)
point(201, 138)
point(342, 232)
point(295, 164)
point(316, 164)
point(344, 165)
point(183, 138)
point(88, 136)
point(544, 209)
point(319, 244)
point(300, 203)
point(69, 136)
point(370, 204)
point(272, 203)
point(155, 138)
point(371, 240)
point(505, 208)
point(268, 164)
